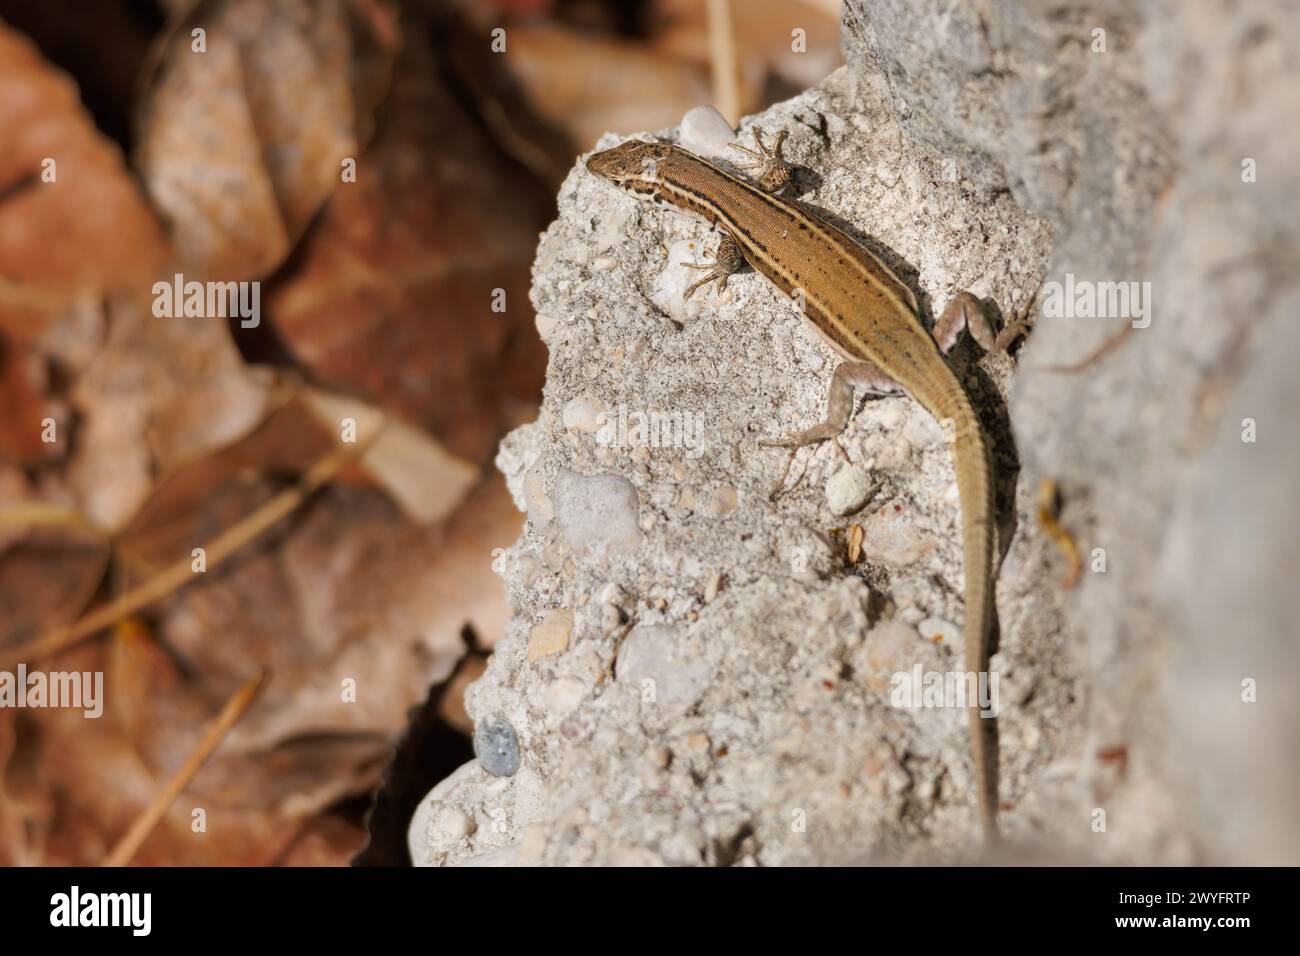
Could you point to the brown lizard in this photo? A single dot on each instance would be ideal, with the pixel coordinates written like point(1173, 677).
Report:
point(869, 316)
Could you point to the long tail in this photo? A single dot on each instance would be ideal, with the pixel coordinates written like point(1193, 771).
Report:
point(975, 488)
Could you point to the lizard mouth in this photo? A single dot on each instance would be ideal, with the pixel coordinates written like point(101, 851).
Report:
point(606, 163)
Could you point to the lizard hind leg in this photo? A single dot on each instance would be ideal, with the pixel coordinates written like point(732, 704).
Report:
point(839, 403)
point(1019, 323)
point(964, 311)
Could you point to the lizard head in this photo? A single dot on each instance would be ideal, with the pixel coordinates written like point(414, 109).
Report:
point(634, 165)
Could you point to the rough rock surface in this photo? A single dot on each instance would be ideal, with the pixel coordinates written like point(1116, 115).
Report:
point(1158, 158)
point(723, 695)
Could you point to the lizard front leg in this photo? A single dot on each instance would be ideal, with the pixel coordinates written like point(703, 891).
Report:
point(727, 261)
point(773, 172)
point(773, 176)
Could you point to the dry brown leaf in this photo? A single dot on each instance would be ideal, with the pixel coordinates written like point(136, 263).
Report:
point(73, 226)
point(771, 67)
point(244, 140)
point(425, 481)
point(89, 228)
point(451, 581)
point(46, 578)
point(406, 261)
point(27, 404)
point(349, 591)
point(161, 392)
point(86, 783)
point(608, 92)
point(327, 840)
point(73, 785)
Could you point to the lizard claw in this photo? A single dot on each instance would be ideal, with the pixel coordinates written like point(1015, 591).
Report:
point(1018, 323)
point(772, 169)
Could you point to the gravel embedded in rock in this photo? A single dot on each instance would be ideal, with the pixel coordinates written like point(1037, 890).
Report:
point(891, 536)
point(599, 514)
point(449, 825)
point(584, 414)
point(496, 747)
point(720, 501)
point(551, 634)
point(847, 490)
point(655, 653)
point(706, 132)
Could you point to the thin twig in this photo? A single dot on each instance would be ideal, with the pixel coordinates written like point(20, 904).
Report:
point(1049, 506)
point(41, 514)
point(126, 847)
point(1106, 347)
point(722, 53)
point(180, 573)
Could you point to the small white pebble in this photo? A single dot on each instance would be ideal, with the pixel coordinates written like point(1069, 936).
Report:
point(545, 325)
point(598, 514)
point(847, 490)
point(889, 414)
point(584, 414)
point(451, 825)
point(922, 431)
point(911, 615)
point(706, 132)
point(564, 695)
point(528, 568)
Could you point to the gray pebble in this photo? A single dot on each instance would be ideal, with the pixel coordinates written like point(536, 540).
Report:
point(496, 747)
point(597, 513)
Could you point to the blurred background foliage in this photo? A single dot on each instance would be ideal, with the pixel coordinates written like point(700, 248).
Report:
point(128, 439)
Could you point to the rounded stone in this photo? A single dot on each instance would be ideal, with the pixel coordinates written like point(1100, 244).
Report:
point(496, 747)
point(847, 490)
point(706, 131)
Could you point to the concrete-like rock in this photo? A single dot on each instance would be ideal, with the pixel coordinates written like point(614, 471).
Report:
point(980, 146)
point(654, 662)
